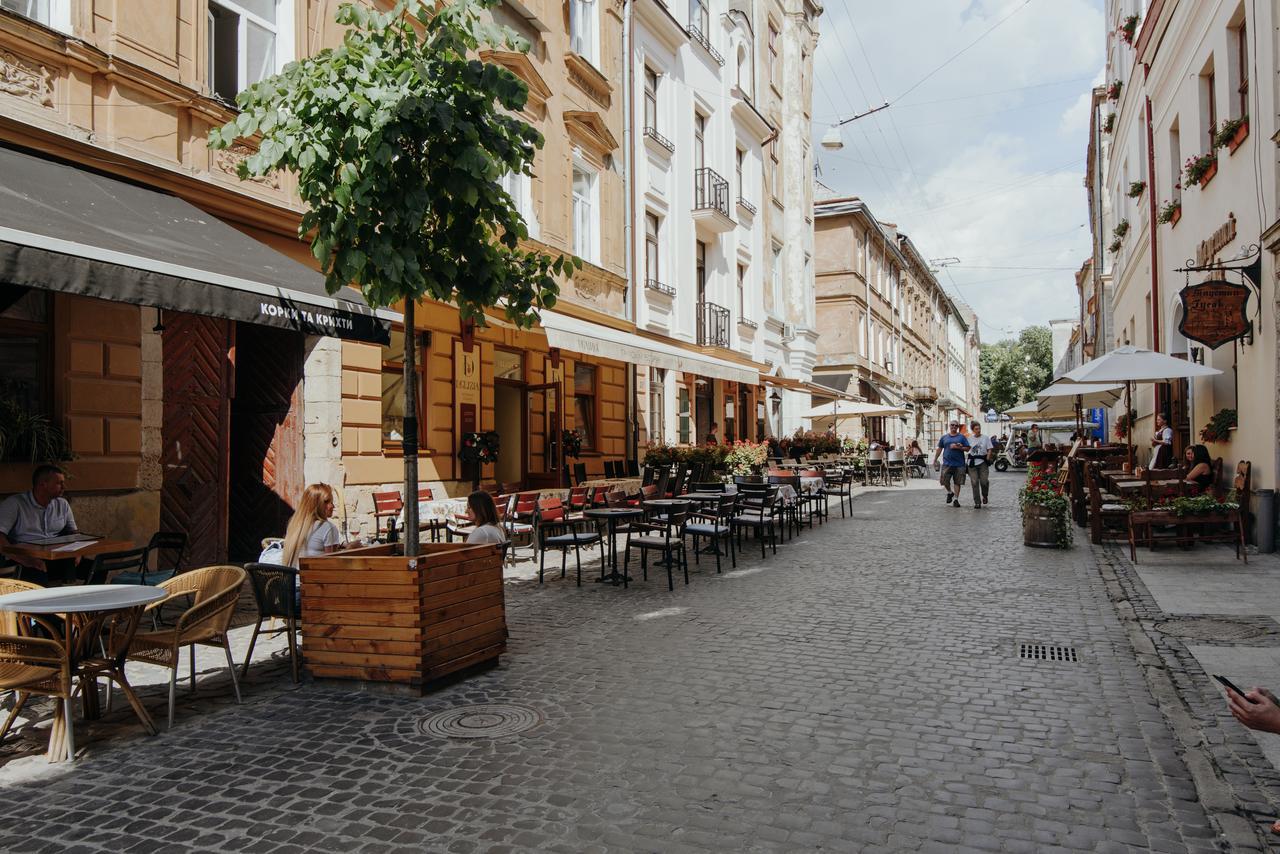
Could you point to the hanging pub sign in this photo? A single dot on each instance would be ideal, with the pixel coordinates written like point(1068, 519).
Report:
point(1213, 312)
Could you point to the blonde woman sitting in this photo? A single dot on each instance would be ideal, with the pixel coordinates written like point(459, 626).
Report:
point(310, 533)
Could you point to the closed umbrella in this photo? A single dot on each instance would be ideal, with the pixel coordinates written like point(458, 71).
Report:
point(1128, 365)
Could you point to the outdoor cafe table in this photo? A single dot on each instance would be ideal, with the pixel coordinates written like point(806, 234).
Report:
point(65, 551)
point(613, 515)
point(86, 611)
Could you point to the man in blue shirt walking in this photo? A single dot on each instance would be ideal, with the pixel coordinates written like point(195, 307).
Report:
point(952, 447)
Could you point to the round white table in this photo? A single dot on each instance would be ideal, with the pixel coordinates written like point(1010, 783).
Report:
point(87, 611)
point(811, 484)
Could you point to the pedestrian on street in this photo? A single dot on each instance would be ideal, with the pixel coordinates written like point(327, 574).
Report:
point(1257, 709)
point(981, 454)
point(952, 448)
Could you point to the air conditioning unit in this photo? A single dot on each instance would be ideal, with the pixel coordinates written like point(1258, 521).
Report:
point(788, 332)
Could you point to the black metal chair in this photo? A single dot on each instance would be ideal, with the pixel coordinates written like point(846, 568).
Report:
point(840, 487)
point(275, 590)
point(649, 474)
point(104, 565)
point(715, 525)
point(173, 542)
point(611, 469)
point(666, 536)
point(664, 478)
point(579, 473)
point(708, 486)
point(551, 518)
point(758, 513)
point(633, 468)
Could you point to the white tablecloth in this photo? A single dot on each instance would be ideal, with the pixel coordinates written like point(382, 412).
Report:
point(82, 599)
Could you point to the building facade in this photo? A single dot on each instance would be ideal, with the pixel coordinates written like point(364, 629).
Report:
point(1192, 199)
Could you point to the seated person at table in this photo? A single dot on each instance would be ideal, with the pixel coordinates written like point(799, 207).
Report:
point(37, 515)
point(310, 533)
point(484, 515)
point(1199, 468)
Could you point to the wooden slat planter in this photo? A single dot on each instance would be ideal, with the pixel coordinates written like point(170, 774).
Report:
point(367, 614)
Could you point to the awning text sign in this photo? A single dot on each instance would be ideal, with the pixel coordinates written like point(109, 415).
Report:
point(1214, 312)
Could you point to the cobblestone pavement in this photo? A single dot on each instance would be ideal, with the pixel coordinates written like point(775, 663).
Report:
point(861, 691)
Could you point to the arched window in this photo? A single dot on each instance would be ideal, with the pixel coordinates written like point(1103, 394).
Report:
point(744, 70)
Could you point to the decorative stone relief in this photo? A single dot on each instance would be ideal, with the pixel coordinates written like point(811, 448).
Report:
point(228, 160)
point(25, 78)
point(589, 289)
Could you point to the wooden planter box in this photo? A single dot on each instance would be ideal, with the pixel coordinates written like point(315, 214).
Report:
point(1238, 138)
point(369, 615)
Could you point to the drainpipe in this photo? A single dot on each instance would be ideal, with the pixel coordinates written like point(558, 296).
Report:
point(631, 298)
point(1151, 205)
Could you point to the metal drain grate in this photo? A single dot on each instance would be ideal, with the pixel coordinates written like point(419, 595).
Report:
point(486, 720)
point(1045, 652)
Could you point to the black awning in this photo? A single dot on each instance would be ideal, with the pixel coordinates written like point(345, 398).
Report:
point(68, 229)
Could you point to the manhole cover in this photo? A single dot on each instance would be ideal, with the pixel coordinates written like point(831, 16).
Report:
point(1205, 628)
point(486, 720)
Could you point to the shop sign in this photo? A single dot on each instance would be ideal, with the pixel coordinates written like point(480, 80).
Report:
point(466, 389)
point(1209, 248)
point(1213, 312)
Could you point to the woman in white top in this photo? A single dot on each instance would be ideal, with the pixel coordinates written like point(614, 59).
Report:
point(484, 514)
point(310, 533)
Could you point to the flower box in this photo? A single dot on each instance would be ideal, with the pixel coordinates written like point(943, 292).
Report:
point(1238, 138)
point(1175, 216)
point(374, 616)
point(1208, 174)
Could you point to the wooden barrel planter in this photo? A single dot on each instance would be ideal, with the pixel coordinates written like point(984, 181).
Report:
point(1040, 527)
point(375, 616)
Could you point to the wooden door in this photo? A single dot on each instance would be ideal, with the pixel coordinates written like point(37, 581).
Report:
point(266, 437)
point(543, 458)
point(194, 432)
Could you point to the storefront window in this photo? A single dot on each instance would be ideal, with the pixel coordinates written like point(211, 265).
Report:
point(508, 365)
point(584, 403)
point(393, 411)
point(657, 409)
point(683, 398)
point(24, 349)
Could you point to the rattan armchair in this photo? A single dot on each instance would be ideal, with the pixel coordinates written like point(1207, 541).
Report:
point(30, 665)
point(214, 591)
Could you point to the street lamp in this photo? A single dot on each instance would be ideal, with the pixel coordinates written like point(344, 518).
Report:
point(831, 139)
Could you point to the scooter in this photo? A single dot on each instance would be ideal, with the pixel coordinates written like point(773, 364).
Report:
point(1011, 456)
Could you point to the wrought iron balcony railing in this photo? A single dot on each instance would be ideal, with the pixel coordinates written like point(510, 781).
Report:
point(653, 134)
point(700, 37)
point(655, 285)
point(743, 203)
point(713, 325)
point(710, 191)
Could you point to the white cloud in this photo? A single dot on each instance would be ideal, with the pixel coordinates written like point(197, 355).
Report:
point(984, 161)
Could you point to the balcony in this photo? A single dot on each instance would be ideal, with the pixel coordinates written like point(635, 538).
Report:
point(660, 140)
point(713, 325)
point(699, 37)
point(658, 287)
point(711, 201)
point(924, 392)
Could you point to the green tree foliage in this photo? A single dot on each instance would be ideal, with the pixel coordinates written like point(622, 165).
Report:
point(399, 138)
point(399, 141)
point(1011, 371)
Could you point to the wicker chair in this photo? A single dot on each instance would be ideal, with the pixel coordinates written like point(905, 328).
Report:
point(275, 592)
point(215, 591)
point(30, 665)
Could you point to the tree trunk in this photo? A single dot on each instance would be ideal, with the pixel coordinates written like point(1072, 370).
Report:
point(410, 441)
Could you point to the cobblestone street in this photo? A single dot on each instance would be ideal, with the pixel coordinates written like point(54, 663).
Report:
point(861, 691)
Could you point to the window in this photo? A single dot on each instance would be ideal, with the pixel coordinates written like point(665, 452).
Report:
point(651, 269)
point(650, 99)
point(585, 239)
point(1175, 162)
point(583, 30)
point(744, 71)
point(777, 171)
point(700, 270)
point(241, 43)
point(700, 17)
point(742, 291)
point(773, 54)
point(508, 365)
point(25, 354)
point(739, 157)
point(1242, 69)
point(683, 402)
point(393, 411)
point(657, 405)
point(1208, 82)
point(775, 269)
point(584, 403)
point(51, 13)
point(699, 140)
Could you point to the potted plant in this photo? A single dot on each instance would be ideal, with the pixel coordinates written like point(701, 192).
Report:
point(1123, 422)
point(1128, 29)
point(1219, 427)
point(27, 435)
point(1170, 212)
point(1121, 229)
point(1200, 169)
point(1232, 133)
point(1109, 123)
point(1114, 246)
point(1046, 520)
point(571, 441)
point(746, 458)
point(1113, 90)
point(478, 449)
point(1136, 188)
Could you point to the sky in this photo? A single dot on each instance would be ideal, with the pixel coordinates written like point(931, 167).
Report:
point(982, 161)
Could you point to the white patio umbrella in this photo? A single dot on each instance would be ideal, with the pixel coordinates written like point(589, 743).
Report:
point(1085, 395)
point(1129, 365)
point(840, 409)
point(1031, 411)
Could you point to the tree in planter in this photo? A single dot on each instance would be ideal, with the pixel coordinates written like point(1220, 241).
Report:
point(399, 142)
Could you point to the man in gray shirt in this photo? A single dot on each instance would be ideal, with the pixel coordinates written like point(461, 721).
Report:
point(36, 515)
point(980, 454)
